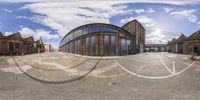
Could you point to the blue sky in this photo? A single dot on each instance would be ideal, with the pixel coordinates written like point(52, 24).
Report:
point(52, 19)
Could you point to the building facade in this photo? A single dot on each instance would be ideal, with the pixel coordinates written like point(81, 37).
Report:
point(48, 48)
point(192, 43)
point(99, 39)
point(15, 44)
point(137, 30)
point(185, 45)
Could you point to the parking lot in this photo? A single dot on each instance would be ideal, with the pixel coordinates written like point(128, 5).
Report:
point(59, 75)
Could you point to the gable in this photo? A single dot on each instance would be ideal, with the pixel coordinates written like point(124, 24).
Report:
point(16, 35)
point(181, 38)
point(195, 35)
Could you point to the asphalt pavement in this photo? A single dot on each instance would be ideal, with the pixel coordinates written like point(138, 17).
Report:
point(63, 76)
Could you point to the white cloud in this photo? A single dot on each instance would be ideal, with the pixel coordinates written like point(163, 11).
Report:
point(146, 21)
point(64, 16)
point(8, 33)
point(177, 2)
point(157, 37)
point(150, 10)
point(27, 32)
point(22, 17)
point(187, 13)
point(7, 10)
point(167, 10)
point(139, 11)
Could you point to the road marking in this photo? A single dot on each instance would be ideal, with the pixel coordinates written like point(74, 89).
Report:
point(158, 77)
point(109, 76)
point(174, 69)
point(164, 64)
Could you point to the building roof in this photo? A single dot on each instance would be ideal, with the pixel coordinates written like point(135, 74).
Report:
point(29, 38)
point(181, 38)
point(16, 35)
point(110, 26)
point(195, 35)
point(134, 21)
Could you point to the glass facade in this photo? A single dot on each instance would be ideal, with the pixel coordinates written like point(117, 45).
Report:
point(98, 40)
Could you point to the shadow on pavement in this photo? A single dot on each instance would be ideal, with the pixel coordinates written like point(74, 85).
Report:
point(57, 82)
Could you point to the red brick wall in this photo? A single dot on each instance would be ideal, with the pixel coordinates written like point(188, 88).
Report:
point(138, 31)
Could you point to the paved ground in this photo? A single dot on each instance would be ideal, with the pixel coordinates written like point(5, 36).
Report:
point(61, 76)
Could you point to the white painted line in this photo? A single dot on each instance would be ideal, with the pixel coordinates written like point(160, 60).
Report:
point(159, 77)
point(164, 64)
point(174, 69)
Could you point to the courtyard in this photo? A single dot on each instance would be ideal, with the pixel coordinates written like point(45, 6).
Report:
point(59, 75)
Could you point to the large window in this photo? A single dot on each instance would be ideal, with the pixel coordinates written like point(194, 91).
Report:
point(113, 46)
point(93, 46)
point(106, 45)
point(76, 46)
point(79, 46)
point(17, 46)
point(125, 46)
point(128, 43)
point(87, 45)
point(11, 46)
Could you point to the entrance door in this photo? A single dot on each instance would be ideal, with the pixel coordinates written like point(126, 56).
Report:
point(180, 48)
point(11, 47)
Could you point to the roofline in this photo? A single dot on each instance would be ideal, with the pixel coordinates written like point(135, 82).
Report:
point(193, 34)
point(94, 24)
point(133, 21)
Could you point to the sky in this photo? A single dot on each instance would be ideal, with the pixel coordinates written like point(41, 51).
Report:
point(53, 19)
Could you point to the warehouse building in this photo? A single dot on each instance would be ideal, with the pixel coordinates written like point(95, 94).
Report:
point(15, 44)
point(99, 39)
point(137, 30)
point(176, 45)
point(185, 45)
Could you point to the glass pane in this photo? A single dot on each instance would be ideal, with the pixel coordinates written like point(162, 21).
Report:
point(78, 46)
point(128, 43)
point(16, 46)
point(76, 49)
point(87, 46)
point(106, 45)
point(113, 46)
point(93, 46)
point(123, 46)
point(11, 46)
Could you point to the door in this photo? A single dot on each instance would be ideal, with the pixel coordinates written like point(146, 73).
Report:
point(11, 47)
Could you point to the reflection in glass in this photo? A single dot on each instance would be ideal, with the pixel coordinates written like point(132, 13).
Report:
point(106, 45)
point(87, 46)
point(93, 46)
point(113, 45)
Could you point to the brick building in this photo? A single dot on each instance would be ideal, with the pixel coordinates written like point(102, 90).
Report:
point(48, 48)
point(99, 39)
point(15, 44)
point(185, 45)
point(176, 45)
point(192, 43)
point(137, 30)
